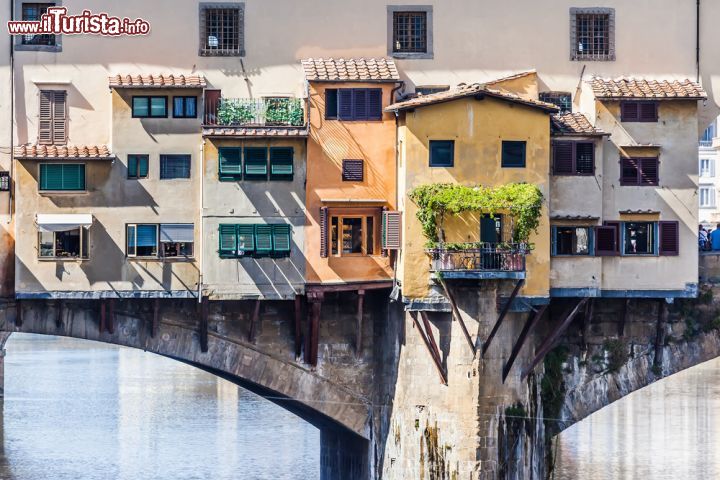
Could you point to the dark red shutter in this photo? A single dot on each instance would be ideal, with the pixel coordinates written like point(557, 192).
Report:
point(669, 238)
point(345, 104)
point(629, 172)
point(563, 158)
point(360, 104)
point(629, 112)
point(323, 232)
point(352, 170)
point(648, 112)
point(615, 224)
point(212, 101)
point(374, 104)
point(606, 240)
point(649, 174)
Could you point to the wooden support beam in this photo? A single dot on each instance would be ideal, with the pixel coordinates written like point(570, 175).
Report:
point(457, 316)
point(111, 316)
point(204, 325)
point(550, 340)
point(431, 337)
point(253, 321)
point(530, 323)
point(298, 325)
point(433, 355)
point(156, 318)
point(505, 310)
point(103, 314)
point(59, 314)
point(359, 326)
point(587, 321)
point(623, 317)
point(660, 333)
point(316, 307)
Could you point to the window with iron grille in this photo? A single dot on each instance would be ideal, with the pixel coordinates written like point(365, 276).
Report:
point(592, 34)
point(222, 29)
point(563, 100)
point(4, 181)
point(352, 170)
point(174, 166)
point(410, 33)
point(640, 172)
point(573, 158)
point(31, 12)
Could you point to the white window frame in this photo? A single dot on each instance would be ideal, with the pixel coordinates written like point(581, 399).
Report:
point(83, 233)
point(710, 171)
point(711, 196)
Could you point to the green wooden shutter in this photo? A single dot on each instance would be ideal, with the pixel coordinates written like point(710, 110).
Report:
point(246, 238)
point(391, 230)
point(281, 239)
point(73, 177)
point(281, 163)
point(132, 166)
point(263, 239)
point(60, 176)
point(227, 241)
point(256, 163)
point(143, 166)
point(230, 163)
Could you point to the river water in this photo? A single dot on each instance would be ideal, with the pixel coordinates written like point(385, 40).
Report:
point(76, 410)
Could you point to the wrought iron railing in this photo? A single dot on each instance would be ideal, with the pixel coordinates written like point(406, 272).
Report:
point(499, 257)
point(262, 112)
point(705, 143)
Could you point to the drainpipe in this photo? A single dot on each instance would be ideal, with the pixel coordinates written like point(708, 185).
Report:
point(397, 174)
point(697, 39)
point(202, 219)
point(11, 196)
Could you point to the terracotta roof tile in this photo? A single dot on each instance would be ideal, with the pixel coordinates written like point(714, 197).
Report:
point(640, 88)
point(350, 70)
point(62, 152)
point(259, 132)
point(157, 81)
point(463, 91)
point(573, 123)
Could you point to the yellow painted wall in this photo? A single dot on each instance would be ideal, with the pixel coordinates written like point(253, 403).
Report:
point(329, 143)
point(478, 129)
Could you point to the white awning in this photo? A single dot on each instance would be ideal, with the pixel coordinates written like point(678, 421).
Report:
point(47, 222)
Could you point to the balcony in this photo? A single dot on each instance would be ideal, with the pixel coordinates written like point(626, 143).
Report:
point(480, 261)
point(254, 117)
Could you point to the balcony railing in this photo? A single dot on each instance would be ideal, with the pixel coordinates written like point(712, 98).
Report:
point(705, 143)
point(254, 112)
point(500, 260)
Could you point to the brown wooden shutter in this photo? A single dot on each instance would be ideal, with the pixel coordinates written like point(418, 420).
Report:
point(629, 112)
point(606, 240)
point(345, 104)
point(360, 105)
point(648, 112)
point(45, 124)
point(669, 238)
point(563, 158)
point(649, 171)
point(323, 232)
point(617, 226)
point(391, 230)
point(629, 171)
point(212, 101)
point(59, 121)
point(352, 170)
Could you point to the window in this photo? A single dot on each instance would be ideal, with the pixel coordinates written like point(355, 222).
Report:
point(707, 197)
point(639, 111)
point(639, 171)
point(573, 158)
point(62, 177)
point(592, 34)
point(708, 135)
point(607, 239)
point(574, 241)
point(410, 31)
point(52, 124)
point(229, 164)
point(138, 166)
point(254, 240)
point(174, 166)
point(222, 29)
point(166, 240)
point(185, 107)
point(513, 154)
point(707, 167)
point(32, 12)
point(353, 104)
point(563, 100)
point(255, 163)
point(442, 153)
point(352, 235)
point(4, 181)
point(149, 107)
point(352, 170)
point(67, 245)
point(281, 163)
point(638, 238)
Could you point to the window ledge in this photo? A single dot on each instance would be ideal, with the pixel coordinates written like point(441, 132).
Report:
point(62, 259)
point(412, 55)
point(63, 192)
point(161, 259)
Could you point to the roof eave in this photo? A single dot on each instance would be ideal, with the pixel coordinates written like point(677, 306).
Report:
point(617, 99)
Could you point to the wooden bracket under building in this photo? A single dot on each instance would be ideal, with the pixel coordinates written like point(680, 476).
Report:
point(530, 323)
point(457, 316)
point(660, 333)
point(18, 313)
point(429, 341)
point(156, 318)
point(313, 336)
point(358, 333)
point(204, 325)
point(623, 317)
point(253, 321)
point(587, 321)
point(298, 325)
point(503, 313)
point(550, 340)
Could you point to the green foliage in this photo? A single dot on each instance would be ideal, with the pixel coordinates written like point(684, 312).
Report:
point(617, 354)
point(235, 112)
point(522, 201)
point(516, 411)
point(284, 111)
point(552, 387)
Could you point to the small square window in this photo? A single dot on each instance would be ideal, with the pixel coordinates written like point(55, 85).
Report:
point(513, 154)
point(442, 153)
point(222, 30)
point(592, 34)
point(410, 31)
point(562, 100)
point(138, 166)
point(638, 238)
point(352, 170)
point(185, 107)
point(32, 12)
point(572, 240)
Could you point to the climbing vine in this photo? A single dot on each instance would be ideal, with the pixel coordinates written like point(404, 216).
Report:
point(522, 201)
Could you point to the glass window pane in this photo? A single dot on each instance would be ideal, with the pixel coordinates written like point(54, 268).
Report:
point(370, 241)
point(67, 244)
point(147, 240)
point(639, 238)
point(334, 235)
point(352, 235)
point(178, 107)
point(131, 250)
point(191, 107)
point(140, 107)
point(47, 243)
point(157, 107)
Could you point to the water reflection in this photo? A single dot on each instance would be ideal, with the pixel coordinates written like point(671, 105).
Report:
point(668, 430)
point(83, 410)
